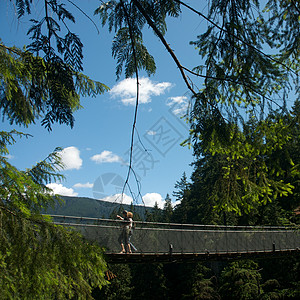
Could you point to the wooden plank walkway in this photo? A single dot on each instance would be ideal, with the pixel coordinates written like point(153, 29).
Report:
point(194, 257)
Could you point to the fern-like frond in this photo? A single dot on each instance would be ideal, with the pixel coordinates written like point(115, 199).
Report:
point(8, 139)
point(32, 87)
point(127, 21)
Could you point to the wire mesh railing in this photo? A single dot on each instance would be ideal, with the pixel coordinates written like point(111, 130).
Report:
point(161, 238)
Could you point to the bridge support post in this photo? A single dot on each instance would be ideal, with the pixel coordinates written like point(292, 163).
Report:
point(170, 252)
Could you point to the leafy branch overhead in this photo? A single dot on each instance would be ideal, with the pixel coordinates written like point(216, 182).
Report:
point(248, 66)
point(44, 80)
point(234, 48)
point(244, 137)
point(237, 73)
point(32, 88)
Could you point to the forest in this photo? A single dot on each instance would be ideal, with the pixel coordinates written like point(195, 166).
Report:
point(244, 120)
point(262, 278)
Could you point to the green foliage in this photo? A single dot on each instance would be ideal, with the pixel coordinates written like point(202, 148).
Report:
point(26, 192)
point(247, 176)
point(270, 288)
point(253, 166)
point(46, 32)
point(32, 87)
point(240, 280)
point(241, 82)
point(120, 284)
point(230, 118)
point(155, 215)
point(150, 276)
point(7, 138)
point(127, 20)
point(167, 213)
point(39, 259)
point(247, 159)
point(281, 277)
point(201, 284)
point(239, 74)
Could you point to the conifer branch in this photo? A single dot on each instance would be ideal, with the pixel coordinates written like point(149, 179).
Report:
point(48, 26)
point(228, 80)
point(295, 6)
point(235, 36)
point(167, 46)
point(10, 49)
point(152, 25)
point(9, 211)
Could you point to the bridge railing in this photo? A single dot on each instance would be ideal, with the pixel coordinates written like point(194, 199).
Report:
point(159, 238)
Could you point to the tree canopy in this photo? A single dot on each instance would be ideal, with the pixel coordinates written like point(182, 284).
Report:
point(37, 258)
point(240, 87)
point(249, 64)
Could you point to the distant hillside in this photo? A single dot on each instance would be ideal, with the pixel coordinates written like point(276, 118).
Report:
point(93, 208)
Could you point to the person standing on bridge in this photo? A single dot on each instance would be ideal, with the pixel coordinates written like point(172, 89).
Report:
point(124, 236)
point(130, 216)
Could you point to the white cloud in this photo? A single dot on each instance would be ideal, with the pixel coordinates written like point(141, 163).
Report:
point(151, 132)
point(59, 189)
point(118, 198)
point(126, 90)
point(71, 158)
point(83, 185)
point(9, 156)
point(177, 202)
point(151, 198)
point(178, 104)
point(106, 157)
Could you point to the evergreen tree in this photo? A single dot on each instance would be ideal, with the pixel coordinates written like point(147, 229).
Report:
point(119, 276)
point(222, 179)
point(155, 215)
point(167, 212)
point(240, 80)
point(202, 284)
point(136, 216)
point(240, 280)
point(149, 282)
point(181, 195)
point(229, 120)
point(271, 290)
point(281, 277)
point(38, 259)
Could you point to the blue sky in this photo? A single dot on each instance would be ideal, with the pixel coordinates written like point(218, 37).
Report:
point(96, 150)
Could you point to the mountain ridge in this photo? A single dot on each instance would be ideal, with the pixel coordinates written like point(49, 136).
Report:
point(93, 208)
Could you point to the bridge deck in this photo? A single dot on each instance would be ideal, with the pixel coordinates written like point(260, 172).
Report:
point(194, 257)
point(169, 242)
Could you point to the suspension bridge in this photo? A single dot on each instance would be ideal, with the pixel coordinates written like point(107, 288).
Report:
point(161, 242)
